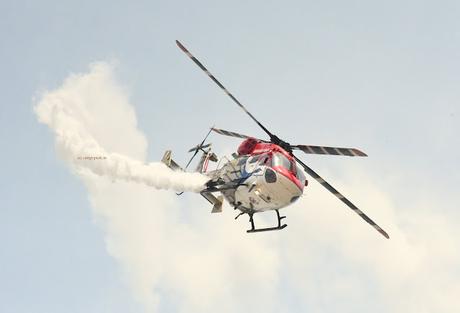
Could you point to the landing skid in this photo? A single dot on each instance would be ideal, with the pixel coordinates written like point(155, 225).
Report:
point(256, 230)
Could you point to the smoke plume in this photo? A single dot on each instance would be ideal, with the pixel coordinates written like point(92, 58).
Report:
point(74, 111)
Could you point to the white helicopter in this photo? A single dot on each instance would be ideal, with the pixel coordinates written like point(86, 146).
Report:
point(264, 174)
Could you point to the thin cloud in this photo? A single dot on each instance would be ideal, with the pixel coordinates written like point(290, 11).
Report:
point(176, 256)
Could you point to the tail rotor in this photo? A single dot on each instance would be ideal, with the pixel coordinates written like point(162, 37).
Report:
point(199, 147)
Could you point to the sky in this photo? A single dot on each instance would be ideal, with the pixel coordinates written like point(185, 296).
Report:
point(378, 76)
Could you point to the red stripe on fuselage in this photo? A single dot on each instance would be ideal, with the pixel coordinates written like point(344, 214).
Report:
point(289, 175)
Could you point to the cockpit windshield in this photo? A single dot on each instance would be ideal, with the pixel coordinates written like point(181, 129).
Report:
point(280, 160)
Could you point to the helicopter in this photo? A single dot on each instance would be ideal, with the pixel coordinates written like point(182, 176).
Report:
point(263, 175)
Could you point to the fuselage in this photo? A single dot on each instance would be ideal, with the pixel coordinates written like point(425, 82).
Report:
point(268, 177)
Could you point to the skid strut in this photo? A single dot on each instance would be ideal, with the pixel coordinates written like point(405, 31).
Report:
point(256, 230)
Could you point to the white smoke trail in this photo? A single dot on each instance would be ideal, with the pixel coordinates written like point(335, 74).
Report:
point(68, 113)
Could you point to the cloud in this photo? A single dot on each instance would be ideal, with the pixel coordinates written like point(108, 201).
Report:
point(197, 264)
point(415, 271)
point(178, 257)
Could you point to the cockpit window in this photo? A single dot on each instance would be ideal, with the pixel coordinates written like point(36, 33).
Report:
point(299, 174)
point(264, 159)
point(281, 160)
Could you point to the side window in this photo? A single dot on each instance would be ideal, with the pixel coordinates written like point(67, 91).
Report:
point(265, 159)
point(242, 161)
point(299, 174)
point(251, 164)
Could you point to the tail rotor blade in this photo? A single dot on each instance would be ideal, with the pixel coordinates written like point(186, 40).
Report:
point(336, 193)
point(204, 69)
point(198, 148)
point(191, 159)
point(206, 137)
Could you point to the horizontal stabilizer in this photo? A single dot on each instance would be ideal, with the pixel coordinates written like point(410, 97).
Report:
point(215, 201)
point(170, 162)
point(217, 208)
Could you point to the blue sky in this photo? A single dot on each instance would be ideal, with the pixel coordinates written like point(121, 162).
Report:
point(381, 76)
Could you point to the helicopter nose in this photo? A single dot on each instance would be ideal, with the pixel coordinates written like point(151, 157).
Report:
point(283, 190)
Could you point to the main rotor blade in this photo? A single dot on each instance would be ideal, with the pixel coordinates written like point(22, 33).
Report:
point(351, 152)
point(233, 134)
point(200, 65)
point(229, 133)
point(334, 191)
